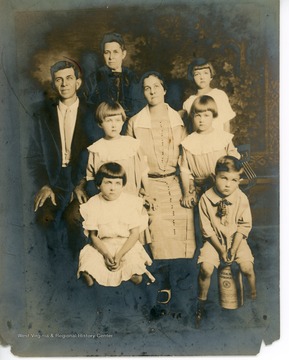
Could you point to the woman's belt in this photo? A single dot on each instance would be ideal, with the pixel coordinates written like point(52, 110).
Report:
point(159, 176)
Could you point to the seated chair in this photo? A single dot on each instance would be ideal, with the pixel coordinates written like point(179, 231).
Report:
point(250, 177)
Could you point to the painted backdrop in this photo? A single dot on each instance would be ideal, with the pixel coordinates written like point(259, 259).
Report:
point(42, 315)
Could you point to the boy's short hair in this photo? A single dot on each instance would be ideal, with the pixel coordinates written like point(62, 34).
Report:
point(109, 108)
point(199, 64)
point(111, 170)
point(204, 103)
point(229, 163)
point(155, 74)
point(64, 64)
point(112, 37)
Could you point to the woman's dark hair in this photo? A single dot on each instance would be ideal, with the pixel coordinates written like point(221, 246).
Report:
point(110, 170)
point(112, 37)
point(155, 74)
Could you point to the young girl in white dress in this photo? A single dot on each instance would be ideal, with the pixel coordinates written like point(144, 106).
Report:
point(202, 72)
point(202, 149)
point(112, 221)
point(124, 150)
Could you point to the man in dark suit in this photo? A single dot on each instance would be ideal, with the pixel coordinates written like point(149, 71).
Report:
point(58, 153)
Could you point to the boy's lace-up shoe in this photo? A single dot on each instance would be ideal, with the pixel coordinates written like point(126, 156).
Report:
point(199, 315)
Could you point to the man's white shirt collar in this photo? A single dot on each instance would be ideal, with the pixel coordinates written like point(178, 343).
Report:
point(62, 107)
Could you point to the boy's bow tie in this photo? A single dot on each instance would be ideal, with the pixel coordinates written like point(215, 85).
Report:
point(223, 207)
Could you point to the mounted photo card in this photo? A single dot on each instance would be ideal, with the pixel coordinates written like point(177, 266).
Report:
point(140, 178)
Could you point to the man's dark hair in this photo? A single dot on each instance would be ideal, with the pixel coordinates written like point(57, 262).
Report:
point(61, 65)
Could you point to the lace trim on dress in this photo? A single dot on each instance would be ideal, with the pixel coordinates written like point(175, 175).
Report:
point(143, 118)
point(198, 144)
point(121, 149)
point(126, 210)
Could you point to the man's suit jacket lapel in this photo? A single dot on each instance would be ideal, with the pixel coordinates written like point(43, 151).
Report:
point(79, 139)
point(79, 153)
point(53, 127)
point(77, 127)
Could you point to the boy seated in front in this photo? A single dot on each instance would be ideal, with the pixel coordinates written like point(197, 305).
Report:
point(225, 219)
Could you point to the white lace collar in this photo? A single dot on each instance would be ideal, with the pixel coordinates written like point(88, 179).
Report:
point(143, 118)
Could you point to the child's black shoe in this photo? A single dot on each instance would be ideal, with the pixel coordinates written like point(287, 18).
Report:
point(200, 314)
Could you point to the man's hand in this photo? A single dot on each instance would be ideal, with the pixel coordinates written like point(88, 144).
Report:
point(80, 194)
point(43, 194)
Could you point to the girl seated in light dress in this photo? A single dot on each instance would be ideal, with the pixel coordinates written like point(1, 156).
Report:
point(201, 72)
point(112, 221)
point(202, 149)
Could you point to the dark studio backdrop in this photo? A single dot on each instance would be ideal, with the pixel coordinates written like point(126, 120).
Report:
point(241, 39)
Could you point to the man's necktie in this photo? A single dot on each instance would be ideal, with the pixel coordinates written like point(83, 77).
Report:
point(67, 136)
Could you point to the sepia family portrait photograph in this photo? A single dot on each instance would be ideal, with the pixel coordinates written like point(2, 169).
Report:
point(140, 189)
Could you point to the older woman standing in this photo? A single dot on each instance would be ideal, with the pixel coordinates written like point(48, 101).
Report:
point(161, 130)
